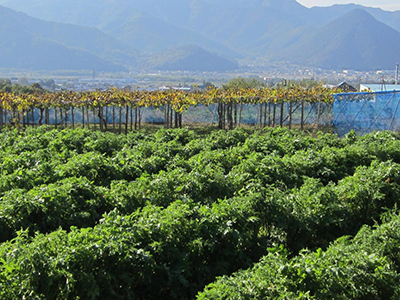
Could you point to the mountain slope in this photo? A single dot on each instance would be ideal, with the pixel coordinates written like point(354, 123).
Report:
point(220, 26)
point(323, 15)
point(354, 41)
point(193, 58)
point(73, 36)
point(289, 6)
point(252, 30)
point(27, 43)
point(150, 34)
point(256, 30)
point(148, 25)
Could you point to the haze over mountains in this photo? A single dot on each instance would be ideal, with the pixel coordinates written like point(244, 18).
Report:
point(201, 35)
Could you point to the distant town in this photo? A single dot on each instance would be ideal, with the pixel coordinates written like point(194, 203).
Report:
point(381, 79)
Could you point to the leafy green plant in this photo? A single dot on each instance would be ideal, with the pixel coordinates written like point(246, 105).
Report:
point(359, 268)
point(162, 214)
point(66, 203)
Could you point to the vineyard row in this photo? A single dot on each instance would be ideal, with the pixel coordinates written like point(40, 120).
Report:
point(123, 109)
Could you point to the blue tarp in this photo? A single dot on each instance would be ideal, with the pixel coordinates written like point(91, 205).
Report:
point(366, 112)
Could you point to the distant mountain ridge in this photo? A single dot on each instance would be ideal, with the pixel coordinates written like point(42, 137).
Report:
point(150, 34)
point(24, 44)
point(101, 13)
point(255, 30)
point(31, 43)
point(355, 40)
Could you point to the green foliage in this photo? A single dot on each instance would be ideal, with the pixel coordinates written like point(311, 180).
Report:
point(152, 253)
point(71, 201)
point(92, 215)
point(365, 267)
point(244, 83)
point(17, 88)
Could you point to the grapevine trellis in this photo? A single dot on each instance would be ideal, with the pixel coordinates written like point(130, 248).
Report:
point(122, 110)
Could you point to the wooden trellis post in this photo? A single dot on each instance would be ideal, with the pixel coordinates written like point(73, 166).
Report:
point(140, 119)
point(136, 117)
point(171, 117)
point(83, 116)
point(220, 111)
point(166, 116)
point(47, 116)
point(72, 117)
point(61, 118)
point(87, 116)
point(274, 115)
point(106, 118)
point(318, 113)
point(269, 114)
point(94, 116)
point(120, 120)
point(41, 116)
point(265, 114)
point(23, 118)
point(281, 116)
point(113, 116)
point(101, 118)
point(131, 118)
point(176, 120)
point(55, 116)
point(230, 116)
point(126, 118)
point(1, 118)
point(235, 114)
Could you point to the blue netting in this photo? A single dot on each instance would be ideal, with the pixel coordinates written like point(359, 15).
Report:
point(366, 112)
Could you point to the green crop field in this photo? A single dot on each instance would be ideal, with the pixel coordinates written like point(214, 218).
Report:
point(179, 214)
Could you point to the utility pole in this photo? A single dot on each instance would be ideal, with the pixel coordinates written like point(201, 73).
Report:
point(383, 84)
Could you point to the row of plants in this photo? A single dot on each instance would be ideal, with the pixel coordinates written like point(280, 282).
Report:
point(173, 252)
point(92, 215)
point(17, 108)
point(366, 266)
point(178, 99)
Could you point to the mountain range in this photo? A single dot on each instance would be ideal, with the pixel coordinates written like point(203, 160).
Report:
point(202, 35)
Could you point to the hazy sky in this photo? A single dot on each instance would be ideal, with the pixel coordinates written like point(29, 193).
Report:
point(384, 4)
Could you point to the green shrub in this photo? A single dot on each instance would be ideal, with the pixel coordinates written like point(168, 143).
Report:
point(66, 203)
